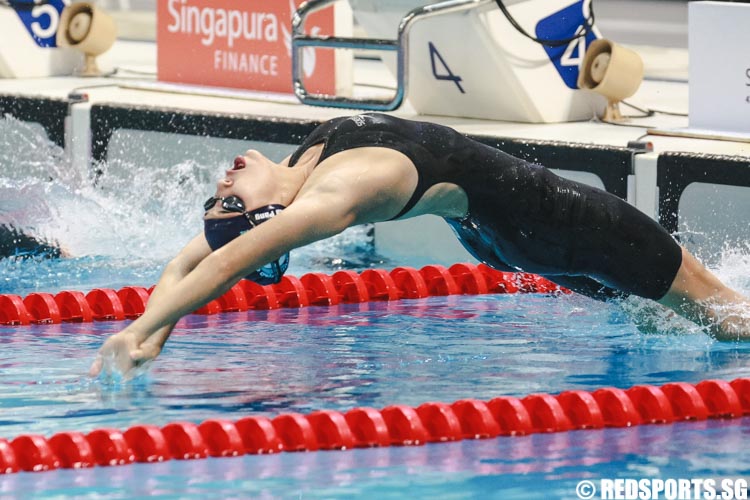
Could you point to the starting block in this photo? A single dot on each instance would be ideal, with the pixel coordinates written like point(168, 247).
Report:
point(30, 29)
point(516, 60)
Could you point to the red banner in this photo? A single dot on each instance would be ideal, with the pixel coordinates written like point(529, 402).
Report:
point(239, 44)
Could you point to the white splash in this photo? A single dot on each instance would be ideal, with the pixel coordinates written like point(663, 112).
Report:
point(125, 211)
point(119, 210)
point(732, 268)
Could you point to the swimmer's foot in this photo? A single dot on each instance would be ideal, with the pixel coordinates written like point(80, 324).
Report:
point(733, 327)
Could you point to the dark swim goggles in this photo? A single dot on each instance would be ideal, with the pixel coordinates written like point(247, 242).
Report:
point(219, 232)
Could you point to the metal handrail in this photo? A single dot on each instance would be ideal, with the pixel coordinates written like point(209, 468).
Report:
point(300, 40)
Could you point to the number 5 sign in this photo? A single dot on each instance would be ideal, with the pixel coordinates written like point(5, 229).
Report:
point(29, 40)
point(41, 20)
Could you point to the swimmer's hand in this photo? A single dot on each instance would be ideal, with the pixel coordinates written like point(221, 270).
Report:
point(125, 355)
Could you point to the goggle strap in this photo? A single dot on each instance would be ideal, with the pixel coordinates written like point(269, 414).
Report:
point(249, 218)
point(268, 211)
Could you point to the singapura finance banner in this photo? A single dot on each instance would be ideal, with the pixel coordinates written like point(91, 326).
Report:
point(244, 44)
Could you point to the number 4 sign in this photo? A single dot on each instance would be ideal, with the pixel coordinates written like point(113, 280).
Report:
point(440, 69)
point(564, 24)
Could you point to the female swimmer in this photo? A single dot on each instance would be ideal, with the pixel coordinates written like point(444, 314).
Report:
point(510, 214)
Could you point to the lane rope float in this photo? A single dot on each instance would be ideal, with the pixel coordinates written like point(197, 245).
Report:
point(396, 425)
point(313, 289)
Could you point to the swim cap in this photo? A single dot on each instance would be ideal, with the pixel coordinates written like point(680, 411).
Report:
point(219, 232)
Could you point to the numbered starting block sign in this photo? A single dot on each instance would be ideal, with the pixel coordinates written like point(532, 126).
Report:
point(33, 52)
point(474, 63)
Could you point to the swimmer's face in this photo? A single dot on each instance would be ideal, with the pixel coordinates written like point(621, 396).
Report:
point(251, 178)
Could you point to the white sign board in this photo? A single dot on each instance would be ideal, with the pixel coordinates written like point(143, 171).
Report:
point(719, 40)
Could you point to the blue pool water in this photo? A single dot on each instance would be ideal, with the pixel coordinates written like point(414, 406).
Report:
point(407, 352)
point(377, 354)
point(121, 230)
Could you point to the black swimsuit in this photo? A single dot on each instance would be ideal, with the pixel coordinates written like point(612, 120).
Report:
point(522, 216)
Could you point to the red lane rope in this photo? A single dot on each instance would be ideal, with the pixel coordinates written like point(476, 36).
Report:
point(397, 425)
point(318, 289)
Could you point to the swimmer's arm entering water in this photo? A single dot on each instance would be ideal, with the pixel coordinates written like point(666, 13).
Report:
point(217, 272)
point(124, 348)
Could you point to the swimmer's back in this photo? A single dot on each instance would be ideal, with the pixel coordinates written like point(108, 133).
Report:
point(439, 154)
point(521, 216)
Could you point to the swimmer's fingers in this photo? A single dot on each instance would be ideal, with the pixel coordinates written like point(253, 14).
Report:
point(103, 361)
point(139, 369)
point(143, 355)
point(115, 356)
point(96, 367)
point(140, 360)
point(148, 350)
point(104, 366)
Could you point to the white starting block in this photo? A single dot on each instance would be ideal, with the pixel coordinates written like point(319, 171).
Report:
point(469, 58)
point(29, 48)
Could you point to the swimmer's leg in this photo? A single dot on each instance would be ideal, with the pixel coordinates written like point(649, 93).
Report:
point(699, 296)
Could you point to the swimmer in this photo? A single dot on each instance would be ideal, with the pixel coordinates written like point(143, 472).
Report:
point(510, 214)
point(19, 245)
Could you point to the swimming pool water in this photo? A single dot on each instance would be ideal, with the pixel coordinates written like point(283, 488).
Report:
point(374, 354)
point(406, 352)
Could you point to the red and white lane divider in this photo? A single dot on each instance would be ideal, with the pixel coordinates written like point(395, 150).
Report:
point(397, 425)
point(317, 289)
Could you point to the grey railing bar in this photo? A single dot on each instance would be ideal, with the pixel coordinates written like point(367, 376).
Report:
point(300, 40)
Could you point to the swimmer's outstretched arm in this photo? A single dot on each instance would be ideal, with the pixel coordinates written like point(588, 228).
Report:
point(179, 267)
point(216, 272)
point(342, 191)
